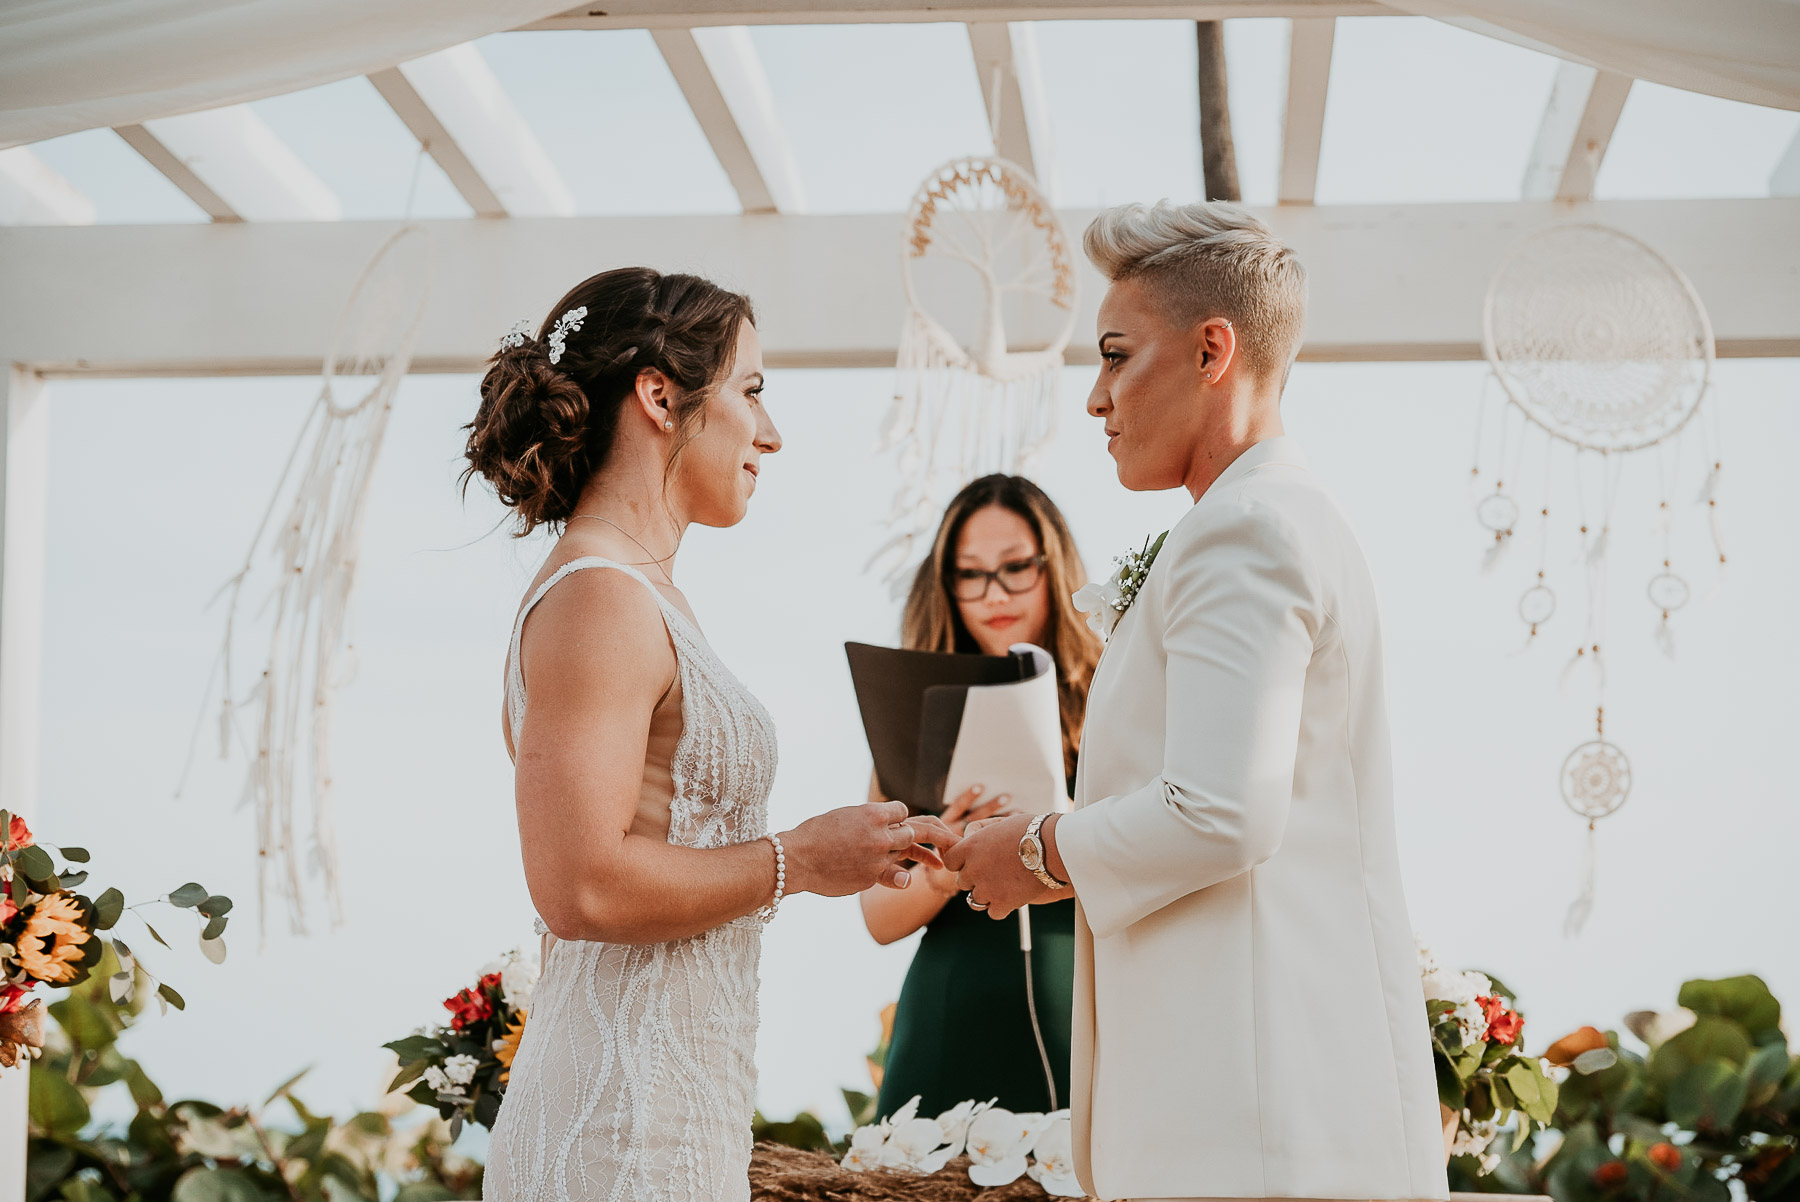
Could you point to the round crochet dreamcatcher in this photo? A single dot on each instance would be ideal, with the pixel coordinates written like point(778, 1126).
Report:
point(1605, 353)
point(305, 552)
point(983, 253)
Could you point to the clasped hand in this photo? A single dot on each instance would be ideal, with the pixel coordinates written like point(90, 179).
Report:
point(986, 862)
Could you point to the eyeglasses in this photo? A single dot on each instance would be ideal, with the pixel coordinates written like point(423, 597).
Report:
point(1018, 576)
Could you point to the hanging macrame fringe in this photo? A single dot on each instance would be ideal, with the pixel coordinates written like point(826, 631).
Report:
point(1583, 905)
point(948, 425)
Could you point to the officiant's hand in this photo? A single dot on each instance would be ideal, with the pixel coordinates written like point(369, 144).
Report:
point(987, 864)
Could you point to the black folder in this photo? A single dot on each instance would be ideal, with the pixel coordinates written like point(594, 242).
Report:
point(912, 710)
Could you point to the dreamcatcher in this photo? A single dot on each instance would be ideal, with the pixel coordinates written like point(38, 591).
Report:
point(1604, 348)
point(311, 558)
point(983, 251)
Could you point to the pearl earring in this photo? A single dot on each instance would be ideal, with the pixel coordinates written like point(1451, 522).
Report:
point(667, 425)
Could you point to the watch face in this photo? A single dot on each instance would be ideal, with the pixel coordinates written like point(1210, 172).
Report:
point(1032, 853)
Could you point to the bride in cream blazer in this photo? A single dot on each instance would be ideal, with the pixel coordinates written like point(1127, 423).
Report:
point(1248, 1016)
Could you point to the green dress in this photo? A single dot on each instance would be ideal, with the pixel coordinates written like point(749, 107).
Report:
point(962, 1029)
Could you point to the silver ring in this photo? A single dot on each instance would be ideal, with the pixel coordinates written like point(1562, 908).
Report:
point(973, 904)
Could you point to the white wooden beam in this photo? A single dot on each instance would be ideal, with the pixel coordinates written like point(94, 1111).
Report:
point(24, 517)
point(455, 106)
point(1785, 179)
point(1387, 282)
point(33, 193)
point(1012, 86)
point(688, 14)
point(231, 164)
point(1310, 41)
point(725, 85)
point(1573, 135)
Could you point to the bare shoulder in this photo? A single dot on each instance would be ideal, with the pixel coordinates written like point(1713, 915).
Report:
point(597, 631)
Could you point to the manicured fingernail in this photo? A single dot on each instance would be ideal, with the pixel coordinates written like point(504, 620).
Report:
point(978, 790)
point(902, 878)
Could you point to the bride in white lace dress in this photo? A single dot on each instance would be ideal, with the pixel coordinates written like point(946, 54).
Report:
point(642, 765)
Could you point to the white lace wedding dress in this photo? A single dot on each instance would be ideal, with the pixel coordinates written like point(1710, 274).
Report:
point(636, 1077)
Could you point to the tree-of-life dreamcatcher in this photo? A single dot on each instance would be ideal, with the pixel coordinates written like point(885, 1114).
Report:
point(1605, 351)
point(983, 250)
point(305, 555)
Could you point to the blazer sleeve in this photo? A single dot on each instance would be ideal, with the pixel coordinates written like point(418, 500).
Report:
point(1241, 619)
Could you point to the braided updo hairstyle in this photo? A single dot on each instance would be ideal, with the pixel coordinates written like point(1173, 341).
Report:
point(543, 429)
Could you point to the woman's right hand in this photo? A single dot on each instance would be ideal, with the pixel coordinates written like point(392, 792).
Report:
point(969, 806)
point(844, 851)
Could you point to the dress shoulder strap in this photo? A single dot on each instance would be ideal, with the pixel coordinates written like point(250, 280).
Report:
point(515, 672)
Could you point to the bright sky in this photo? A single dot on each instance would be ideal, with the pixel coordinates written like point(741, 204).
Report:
point(156, 486)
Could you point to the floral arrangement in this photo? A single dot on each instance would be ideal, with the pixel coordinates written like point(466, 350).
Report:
point(1483, 1075)
point(51, 935)
point(1002, 1146)
point(1105, 603)
point(462, 1067)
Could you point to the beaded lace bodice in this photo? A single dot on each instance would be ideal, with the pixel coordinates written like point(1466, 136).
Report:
point(636, 1076)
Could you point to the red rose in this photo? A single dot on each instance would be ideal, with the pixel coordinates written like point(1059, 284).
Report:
point(1611, 1175)
point(18, 836)
point(1503, 1024)
point(491, 981)
point(12, 997)
point(468, 1007)
point(1666, 1157)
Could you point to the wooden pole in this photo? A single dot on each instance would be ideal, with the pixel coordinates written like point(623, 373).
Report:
point(1218, 157)
point(24, 505)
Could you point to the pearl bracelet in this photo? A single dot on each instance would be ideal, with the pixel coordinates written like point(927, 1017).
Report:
point(767, 913)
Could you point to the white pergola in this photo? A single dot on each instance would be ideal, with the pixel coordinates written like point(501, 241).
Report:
point(1393, 282)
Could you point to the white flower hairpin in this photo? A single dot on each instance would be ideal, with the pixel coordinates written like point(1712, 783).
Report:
point(517, 335)
point(567, 324)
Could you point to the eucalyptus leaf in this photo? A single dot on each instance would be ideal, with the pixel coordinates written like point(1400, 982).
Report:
point(408, 1075)
point(78, 854)
point(71, 879)
point(213, 949)
point(1595, 1060)
point(126, 958)
point(56, 1106)
point(169, 995)
point(189, 895)
point(154, 935)
point(35, 863)
point(119, 987)
point(107, 908)
point(215, 906)
point(214, 928)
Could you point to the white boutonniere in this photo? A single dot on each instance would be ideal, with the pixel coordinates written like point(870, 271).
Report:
point(1106, 603)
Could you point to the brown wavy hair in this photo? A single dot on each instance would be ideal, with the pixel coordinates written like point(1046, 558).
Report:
point(543, 429)
point(931, 620)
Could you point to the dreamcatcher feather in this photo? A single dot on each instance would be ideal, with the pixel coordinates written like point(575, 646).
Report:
point(982, 244)
point(1603, 346)
point(309, 559)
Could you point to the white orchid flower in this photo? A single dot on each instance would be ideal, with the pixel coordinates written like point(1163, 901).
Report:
point(865, 1148)
point(1055, 1159)
point(999, 1142)
point(1091, 600)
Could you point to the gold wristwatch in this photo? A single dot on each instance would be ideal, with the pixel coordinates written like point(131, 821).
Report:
point(1031, 854)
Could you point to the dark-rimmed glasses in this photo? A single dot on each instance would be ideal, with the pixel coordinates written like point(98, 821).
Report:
point(1014, 577)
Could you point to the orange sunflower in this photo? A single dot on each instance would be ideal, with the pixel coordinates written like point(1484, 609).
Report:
point(51, 945)
point(507, 1046)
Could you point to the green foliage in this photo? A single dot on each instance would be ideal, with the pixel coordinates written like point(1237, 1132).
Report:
point(804, 1130)
point(1712, 1103)
point(194, 1151)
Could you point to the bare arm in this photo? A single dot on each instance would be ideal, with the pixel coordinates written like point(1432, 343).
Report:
point(598, 660)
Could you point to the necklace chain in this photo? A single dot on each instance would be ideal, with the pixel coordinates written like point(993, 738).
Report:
point(652, 561)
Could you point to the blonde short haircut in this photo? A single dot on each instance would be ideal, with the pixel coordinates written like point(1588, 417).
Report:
point(1209, 260)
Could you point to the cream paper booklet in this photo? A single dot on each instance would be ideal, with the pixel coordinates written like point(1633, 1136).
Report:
point(939, 723)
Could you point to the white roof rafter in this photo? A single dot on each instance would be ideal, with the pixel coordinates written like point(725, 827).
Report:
point(1310, 40)
point(34, 193)
point(231, 164)
point(687, 14)
point(457, 109)
point(1012, 85)
point(723, 79)
point(1576, 129)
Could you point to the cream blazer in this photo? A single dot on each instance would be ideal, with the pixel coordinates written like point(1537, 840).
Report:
point(1248, 1017)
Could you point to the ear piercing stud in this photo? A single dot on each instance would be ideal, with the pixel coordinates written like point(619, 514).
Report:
point(668, 425)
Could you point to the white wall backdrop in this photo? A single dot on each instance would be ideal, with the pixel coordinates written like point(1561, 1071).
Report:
point(156, 486)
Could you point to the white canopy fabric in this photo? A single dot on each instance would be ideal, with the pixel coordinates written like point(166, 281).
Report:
point(70, 65)
point(1746, 50)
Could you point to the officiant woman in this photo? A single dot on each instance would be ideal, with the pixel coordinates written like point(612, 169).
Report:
point(1000, 572)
